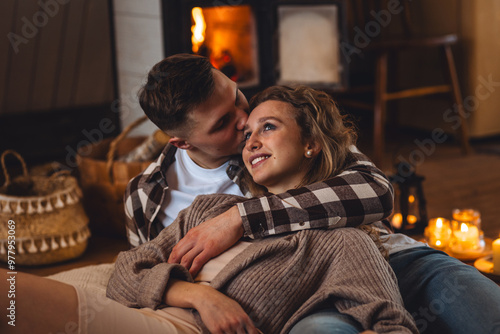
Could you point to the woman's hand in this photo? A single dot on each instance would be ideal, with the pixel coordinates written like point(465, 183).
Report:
point(221, 314)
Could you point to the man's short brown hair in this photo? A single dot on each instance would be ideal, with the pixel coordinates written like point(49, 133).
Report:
point(175, 86)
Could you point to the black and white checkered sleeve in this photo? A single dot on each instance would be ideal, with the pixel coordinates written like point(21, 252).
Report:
point(142, 200)
point(360, 195)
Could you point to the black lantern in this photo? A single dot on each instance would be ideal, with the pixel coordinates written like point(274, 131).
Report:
point(410, 211)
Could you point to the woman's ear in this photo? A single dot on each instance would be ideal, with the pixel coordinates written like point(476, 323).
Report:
point(179, 143)
point(312, 149)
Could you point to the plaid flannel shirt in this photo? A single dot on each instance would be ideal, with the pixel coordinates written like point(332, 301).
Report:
point(361, 194)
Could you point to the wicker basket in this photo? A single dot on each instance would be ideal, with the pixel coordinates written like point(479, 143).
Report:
point(43, 215)
point(104, 180)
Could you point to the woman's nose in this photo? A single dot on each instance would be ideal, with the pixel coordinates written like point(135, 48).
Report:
point(252, 143)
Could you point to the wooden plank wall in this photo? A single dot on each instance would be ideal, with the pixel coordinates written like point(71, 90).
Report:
point(64, 62)
point(57, 78)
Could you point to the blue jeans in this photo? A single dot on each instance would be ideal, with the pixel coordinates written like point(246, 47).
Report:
point(442, 294)
point(327, 321)
point(445, 295)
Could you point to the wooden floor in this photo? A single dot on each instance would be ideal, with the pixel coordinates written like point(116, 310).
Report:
point(452, 180)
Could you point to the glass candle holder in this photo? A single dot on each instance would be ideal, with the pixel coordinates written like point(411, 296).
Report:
point(438, 232)
point(467, 238)
point(467, 215)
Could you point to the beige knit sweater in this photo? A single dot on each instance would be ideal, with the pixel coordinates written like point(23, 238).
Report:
point(277, 280)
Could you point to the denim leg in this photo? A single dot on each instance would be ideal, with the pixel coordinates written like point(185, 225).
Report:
point(445, 295)
point(327, 321)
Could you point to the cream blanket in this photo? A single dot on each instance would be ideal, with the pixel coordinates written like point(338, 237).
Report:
point(92, 278)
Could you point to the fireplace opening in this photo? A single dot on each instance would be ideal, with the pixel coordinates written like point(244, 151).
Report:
point(259, 43)
point(227, 36)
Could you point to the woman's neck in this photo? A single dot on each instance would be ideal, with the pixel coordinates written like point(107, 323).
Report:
point(280, 188)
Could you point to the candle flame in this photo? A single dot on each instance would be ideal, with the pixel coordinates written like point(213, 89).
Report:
point(439, 223)
point(464, 228)
point(198, 29)
point(438, 242)
point(411, 199)
point(411, 219)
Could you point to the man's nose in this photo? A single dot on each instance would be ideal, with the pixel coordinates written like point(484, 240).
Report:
point(241, 119)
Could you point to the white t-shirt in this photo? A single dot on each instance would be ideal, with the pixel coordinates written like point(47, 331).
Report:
point(186, 180)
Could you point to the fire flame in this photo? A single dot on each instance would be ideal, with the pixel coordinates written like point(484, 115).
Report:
point(198, 29)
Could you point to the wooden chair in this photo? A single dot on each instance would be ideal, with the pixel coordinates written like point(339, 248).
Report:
point(382, 46)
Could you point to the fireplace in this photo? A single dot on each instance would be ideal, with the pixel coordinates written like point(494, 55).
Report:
point(227, 36)
point(262, 42)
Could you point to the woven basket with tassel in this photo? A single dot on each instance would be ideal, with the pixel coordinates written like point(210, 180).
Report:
point(43, 215)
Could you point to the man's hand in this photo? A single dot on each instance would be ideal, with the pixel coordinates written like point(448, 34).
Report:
point(208, 240)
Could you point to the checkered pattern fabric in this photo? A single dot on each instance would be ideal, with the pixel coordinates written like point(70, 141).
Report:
point(361, 194)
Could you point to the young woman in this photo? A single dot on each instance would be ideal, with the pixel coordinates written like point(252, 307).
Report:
point(294, 137)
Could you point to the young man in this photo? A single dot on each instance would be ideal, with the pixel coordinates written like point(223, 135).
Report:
point(204, 113)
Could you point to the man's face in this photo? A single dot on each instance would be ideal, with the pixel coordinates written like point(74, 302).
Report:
point(218, 124)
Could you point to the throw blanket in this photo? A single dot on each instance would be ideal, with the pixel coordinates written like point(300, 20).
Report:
point(276, 280)
point(92, 278)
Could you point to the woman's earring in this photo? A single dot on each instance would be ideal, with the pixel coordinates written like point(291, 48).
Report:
point(309, 153)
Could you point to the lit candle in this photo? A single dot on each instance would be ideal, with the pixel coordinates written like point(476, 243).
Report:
point(496, 256)
point(438, 232)
point(466, 239)
point(468, 215)
point(467, 234)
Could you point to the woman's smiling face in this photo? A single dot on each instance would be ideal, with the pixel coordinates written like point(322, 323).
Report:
point(274, 153)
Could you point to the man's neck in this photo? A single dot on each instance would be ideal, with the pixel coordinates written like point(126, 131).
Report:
point(205, 161)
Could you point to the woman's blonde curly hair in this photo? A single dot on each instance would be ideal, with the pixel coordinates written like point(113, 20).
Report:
point(320, 120)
